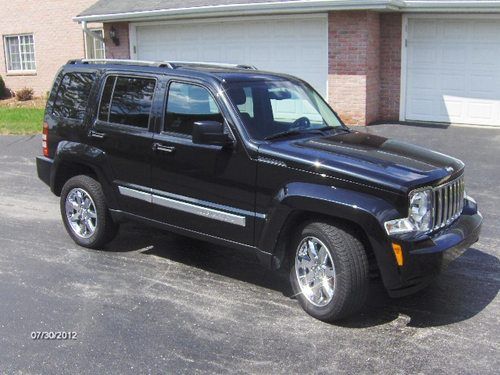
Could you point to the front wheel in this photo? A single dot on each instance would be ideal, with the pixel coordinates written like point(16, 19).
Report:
point(329, 273)
point(85, 213)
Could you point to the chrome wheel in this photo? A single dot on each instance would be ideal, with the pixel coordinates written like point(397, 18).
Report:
point(315, 271)
point(81, 213)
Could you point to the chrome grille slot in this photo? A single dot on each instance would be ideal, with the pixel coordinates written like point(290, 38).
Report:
point(448, 202)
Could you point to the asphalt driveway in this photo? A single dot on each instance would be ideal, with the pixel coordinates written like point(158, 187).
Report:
point(156, 302)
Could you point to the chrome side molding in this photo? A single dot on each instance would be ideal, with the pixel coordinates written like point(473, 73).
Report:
point(179, 205)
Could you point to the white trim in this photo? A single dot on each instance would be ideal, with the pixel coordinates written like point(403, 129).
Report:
point(229, 19)
point(452, 15)
point(300, 6)
point(404, 48)
point(452, 6)
point(7, 55)
point(132, 40)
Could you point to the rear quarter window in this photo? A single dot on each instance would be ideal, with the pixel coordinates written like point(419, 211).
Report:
point(127, 100)
point(73, 95)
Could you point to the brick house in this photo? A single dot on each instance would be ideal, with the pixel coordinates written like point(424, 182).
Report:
point(374, 60)
point(37, 37)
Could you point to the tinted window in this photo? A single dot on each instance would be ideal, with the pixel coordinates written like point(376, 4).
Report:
point(73, 95)
point(272, 107)
point(106, 98)
point(187, 104)
point(127, 100)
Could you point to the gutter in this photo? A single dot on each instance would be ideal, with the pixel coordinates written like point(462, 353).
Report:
point(272, 7)
point(472, 6)
point(300, 6)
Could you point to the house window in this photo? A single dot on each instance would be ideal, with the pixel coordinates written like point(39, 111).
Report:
point(94, 48)
point(20, 53)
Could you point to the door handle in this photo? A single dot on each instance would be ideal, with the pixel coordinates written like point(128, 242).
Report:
point(95, 134)
point(163, 148)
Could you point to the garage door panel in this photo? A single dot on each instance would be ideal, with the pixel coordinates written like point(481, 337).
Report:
point(453, 71)
point(485, 31)
point(423, 30)
point(292, 45)
point(451, 106)
point(452, 82)
point(454, 54)
point(424, 54)
point(454, 31)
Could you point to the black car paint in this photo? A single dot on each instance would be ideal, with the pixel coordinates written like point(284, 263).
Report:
point(351, 176)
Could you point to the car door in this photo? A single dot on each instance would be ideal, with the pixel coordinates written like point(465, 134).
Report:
point(123, 130)
point(203, 188)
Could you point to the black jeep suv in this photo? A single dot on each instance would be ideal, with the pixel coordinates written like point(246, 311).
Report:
point(257, 161)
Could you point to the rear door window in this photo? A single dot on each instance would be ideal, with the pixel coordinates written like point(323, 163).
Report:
point(127, 100)
point(73, 95)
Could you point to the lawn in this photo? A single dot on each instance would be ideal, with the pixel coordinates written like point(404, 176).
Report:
point(21, 120)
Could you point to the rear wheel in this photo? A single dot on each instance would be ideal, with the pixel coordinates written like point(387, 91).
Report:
point(329, 273)
point(85, 213)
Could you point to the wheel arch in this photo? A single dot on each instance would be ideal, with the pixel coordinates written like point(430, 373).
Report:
point(73, 159)
point(302, 202)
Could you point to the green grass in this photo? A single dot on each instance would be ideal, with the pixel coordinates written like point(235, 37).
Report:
point(21, 120)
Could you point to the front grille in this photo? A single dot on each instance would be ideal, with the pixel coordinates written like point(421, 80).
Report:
point(448, 202)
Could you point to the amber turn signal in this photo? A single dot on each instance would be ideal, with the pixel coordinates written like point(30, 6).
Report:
point(398, 253)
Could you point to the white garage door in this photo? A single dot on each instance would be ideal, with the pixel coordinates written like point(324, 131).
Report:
point(290, 45)
point(453, 71)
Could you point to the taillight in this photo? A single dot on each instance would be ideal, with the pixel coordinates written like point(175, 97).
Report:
point(45, 139)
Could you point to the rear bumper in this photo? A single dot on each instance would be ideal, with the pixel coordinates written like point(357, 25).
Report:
point(424, 258)
point(43, 168)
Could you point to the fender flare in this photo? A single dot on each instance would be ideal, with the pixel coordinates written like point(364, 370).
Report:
point(367, 211)
point(68, 153)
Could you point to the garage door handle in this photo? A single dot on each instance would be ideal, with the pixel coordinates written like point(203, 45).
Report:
point(163, 148)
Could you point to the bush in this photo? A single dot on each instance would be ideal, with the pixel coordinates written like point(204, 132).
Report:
point(24, 94)
point(2, 88)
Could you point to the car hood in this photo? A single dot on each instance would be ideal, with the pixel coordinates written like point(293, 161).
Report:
point(366, 157)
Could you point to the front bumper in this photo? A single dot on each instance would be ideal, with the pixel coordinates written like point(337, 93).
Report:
point(425, 257)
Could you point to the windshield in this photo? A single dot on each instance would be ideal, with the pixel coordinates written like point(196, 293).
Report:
point(270, 109)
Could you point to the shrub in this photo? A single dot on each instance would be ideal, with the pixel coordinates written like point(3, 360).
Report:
point(2, 88)
point(24, 94)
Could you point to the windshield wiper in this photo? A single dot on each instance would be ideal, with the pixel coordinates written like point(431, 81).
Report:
point(290, 133)
point(334, 128)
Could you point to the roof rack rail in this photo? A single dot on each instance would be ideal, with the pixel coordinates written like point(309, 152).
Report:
point(162, 64)
point(212, 64)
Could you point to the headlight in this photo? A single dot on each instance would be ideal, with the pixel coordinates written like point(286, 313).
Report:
point(419, 215)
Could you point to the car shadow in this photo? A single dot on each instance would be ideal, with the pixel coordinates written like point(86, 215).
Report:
point(462, 291)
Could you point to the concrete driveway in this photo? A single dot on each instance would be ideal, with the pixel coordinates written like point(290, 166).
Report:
point(157, 303)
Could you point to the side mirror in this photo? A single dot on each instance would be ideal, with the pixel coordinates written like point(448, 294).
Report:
point(210, 133)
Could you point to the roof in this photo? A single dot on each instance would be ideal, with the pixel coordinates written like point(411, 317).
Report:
point(219, 72)
point(143, 10)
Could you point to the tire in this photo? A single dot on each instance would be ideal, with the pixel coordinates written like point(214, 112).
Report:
point(93, 226)
point(334, 288)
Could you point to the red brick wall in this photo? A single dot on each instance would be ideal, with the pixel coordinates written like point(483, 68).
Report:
point(57, 38)
point(373, 67)
point(353, 59)
point(121, 51)
point(390, 67)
